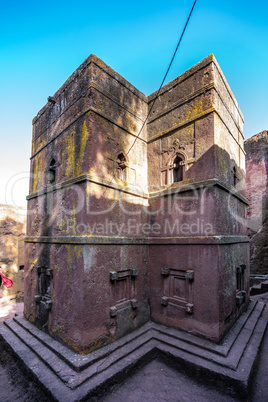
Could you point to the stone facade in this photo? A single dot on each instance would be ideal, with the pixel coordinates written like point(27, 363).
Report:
point(128, 223)
point(12, 232)
point(256, 149)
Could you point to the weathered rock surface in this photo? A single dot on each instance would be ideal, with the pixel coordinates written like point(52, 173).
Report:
point(131, 221)
point(256, 149)
point(12, 231)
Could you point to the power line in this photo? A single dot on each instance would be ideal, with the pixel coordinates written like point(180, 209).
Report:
point(162, 83)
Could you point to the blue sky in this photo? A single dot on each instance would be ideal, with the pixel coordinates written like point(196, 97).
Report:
point(43, 42)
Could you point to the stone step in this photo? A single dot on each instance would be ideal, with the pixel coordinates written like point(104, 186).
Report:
point(57, 362)
point(56, 388)
point(223, 347)
point(265, 286)
point(231, 358)
point(69, 376)
point(76, 361)
point(33, 365)
point(64, 372)
point(259, 288)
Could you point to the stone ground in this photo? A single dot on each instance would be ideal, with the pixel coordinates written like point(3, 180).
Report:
point(154, 382)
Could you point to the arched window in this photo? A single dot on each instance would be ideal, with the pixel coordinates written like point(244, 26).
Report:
point(52, 171)
point(178, 169)
point(121, 167)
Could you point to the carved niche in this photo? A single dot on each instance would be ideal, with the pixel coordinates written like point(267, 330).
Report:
point(123, 290)
point(178, 288)
point(176, 150)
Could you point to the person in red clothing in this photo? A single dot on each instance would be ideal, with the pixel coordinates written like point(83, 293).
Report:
point(6, 281)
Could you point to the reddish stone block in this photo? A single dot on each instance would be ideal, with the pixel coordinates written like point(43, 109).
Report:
point(131, 226)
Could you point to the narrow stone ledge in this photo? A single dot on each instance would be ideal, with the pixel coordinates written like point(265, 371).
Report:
point(138, 192)
point(195, 185)
point(102, 240)
point(109, 240)
point(129, 189)
point(198, 240)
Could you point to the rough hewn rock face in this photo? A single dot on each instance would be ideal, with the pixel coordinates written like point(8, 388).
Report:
point(12, 232)
point(256, 149)
point(126, 225)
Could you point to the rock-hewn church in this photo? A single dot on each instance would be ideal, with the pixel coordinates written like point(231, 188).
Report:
point(131, 222)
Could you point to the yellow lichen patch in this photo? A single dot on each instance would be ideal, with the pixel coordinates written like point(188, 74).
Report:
point(38, 144)
point(33, 263)
point(200, 146)
point(53, 295)
point(193, 110)
point(37, 171)
point(60, 332)
point(78, 251)
point(73, 219)
point(198, 107)
point(98, 343)
point(62, 222)
point(84, 139)
point(68, 152)
point(69, 260)
point(73, 253)
point(56, 267)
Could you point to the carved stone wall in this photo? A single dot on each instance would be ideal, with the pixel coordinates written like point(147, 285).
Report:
point(127, 225)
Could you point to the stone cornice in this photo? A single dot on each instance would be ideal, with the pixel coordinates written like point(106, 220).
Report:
point(129, 189)
point(191, 186)
point(137, 191)
point(190, 121)
point(182, 124)
point(85, 239)
point(135, 240)
point(217, 239)
point(95, 86)
point(115, 100)
point(182, 101)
